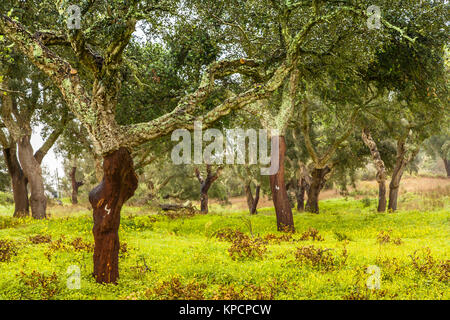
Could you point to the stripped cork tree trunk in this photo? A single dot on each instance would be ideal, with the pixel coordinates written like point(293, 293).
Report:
point(285, 219)
point(118, 185)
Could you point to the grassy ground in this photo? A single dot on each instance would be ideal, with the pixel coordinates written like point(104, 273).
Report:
point(189, 258)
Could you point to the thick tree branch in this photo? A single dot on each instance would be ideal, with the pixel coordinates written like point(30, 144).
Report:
point(60, 71)
point(183, 115)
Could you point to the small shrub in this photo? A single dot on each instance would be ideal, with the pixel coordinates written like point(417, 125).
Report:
point(244, 247)
point(44, 286)
point(360, 291)
point(8, 249)
point(273, 238)
point(340, 236)
point(228, 234)
point(311, 234)
point(322, 259)
point(174, 289)
point(179, 214)
point(80, 245)
point(40, 239)
point(427, 265)
point(385, 237)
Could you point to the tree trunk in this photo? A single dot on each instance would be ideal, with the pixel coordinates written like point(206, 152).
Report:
point(19, 182)
point(381, 169)
point(397, 173)
point(118, 185)
point(394, 186)
point(285, 220)
point(300, 194)
point(447, 167)
point(75, 185)
point(317, 183)
point(204, 201)
point(205, 184)
point(252, 203)
point(393, 196)
point(33, 172)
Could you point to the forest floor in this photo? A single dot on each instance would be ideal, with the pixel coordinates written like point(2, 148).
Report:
point(418, 185)
point(228, 254)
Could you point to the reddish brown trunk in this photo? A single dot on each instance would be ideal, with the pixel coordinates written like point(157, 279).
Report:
point(18, 181)
point(118, 185)
point(285, 220)
point(75, 185)
point(32, 170)
point(317, 183)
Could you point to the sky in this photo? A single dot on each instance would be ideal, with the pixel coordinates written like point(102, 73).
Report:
point(50, 161)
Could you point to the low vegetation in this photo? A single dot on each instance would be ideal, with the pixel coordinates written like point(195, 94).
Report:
point(230, 255)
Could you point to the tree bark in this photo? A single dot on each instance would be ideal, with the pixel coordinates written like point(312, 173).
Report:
point(33, 172)
point(380, 167)
point(118, 185)
point(285, 219)
point(18, 181)
point(317, 183)
point(447, 167)
point(302, 188)
point(205, 184)
point(397, 174)
point(252, 203)
point(75, 185)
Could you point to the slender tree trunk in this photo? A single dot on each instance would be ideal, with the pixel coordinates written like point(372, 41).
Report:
point(19, 182)
point(204, 201)
point(75, 185)
point(317, 183)
point(285, 219)
point(400, 164)
point(249, 196)
point(205, 184)
point(394, 187)
point(380, 167)
point(256, 200)
point(252, 203)
point(33, 172)
point(447, 167)
point(118, 185)
point(300, 194)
